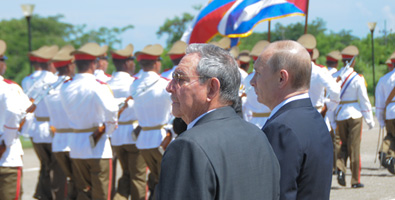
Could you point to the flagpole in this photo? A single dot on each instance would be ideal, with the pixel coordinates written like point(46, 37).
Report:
point(307, 16)
point(268, 32)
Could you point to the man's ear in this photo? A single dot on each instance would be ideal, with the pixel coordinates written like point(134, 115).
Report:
point(213, 88)
point(284, 78)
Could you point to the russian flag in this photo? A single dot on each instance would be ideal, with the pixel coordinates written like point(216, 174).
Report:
point(244, 15)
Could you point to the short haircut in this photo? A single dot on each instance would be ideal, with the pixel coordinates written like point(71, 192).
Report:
point(63, 69)
point(42, 65)
point(147, 64)
point(217, 62)
point(331, 63)
point(294, 58)
point(83, 65)
point(119, 63)
point(176, 61)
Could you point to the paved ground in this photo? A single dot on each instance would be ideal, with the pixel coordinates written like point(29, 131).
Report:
point(379, 183)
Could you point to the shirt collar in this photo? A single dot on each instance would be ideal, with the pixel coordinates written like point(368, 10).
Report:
point(84, 75)
point(290, 99)
point(190, 125)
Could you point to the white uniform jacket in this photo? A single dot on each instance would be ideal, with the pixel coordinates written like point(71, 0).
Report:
point(41, 132)
point(102, 76)
point(58, 119)
point(89, 104)
point(320, 81)
point(353, 91)
point(152, 105)
point(120, 86)
point(13, 102)
point(383, 89)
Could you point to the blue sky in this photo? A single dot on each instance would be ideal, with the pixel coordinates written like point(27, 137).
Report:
point(148, 15)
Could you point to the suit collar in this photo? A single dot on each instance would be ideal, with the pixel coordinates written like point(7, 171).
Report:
point(306, 102)
point(219, 113)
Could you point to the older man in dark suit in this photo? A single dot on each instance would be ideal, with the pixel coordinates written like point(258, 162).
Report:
point(295, 129)
point(220, 156)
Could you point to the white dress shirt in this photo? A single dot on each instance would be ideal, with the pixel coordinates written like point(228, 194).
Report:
point(101, 75)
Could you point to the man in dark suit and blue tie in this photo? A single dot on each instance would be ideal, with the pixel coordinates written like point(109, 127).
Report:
point(220, 156)
point(295, 129)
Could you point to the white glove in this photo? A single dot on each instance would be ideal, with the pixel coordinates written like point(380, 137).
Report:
point(371, 125)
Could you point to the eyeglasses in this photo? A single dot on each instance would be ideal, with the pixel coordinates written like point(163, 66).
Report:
point(179, 79)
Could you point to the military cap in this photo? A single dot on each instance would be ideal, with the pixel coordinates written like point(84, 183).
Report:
point(334, 56)
point(388, 62)
point(63, 57)
point(258, 48)
point(223, 43)
point(244, 56)
point(307, 41)
point(316, 54)
point(150, 52)
point(3, 47)
point(44, 54)
point(177, 50)
point(89, 51)
point(234, 51)
point(392, 57)
point(125, 53)
point(349, 52)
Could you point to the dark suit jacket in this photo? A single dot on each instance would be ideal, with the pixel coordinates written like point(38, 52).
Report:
point(221, 157)
point(303, 146)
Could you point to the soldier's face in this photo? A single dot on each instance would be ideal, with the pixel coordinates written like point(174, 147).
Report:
point(187, 93)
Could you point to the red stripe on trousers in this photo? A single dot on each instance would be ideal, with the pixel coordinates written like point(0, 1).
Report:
point(110, 181)
point(146, 186)
point(18, 183)
point(360, 163)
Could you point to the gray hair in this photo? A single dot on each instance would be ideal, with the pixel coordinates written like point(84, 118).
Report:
point(294, 58)
point(217, 62)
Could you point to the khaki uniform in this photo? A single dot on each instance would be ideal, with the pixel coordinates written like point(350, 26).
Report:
point(353, 106)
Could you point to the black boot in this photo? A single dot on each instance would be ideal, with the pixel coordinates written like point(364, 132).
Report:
point(341, 178)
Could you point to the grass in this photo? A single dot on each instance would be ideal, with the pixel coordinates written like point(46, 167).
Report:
point(26, 142)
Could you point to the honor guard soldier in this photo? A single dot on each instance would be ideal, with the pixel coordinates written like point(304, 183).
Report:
point(12, 103)
point(28, 81)
point(64, 189)
point(353, 106)
point(40, 131)
point(321, 81)
point(385, 112)
point(152, 105)
point(176, 52)
point(92, 115)
point(132, 182)
point(101, 69)
point(255, 112)
point(332, 60)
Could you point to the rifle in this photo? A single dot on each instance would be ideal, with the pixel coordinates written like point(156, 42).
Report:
point(348, 65)
point(166, 141)
point(122, 106)
point(3, 148)
point(96, 135)
point(32, 108)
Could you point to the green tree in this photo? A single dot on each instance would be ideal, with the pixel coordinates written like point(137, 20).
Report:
point(174, 28)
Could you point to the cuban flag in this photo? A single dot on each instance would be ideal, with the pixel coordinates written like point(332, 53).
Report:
point(237, 18)
point(244, 15)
